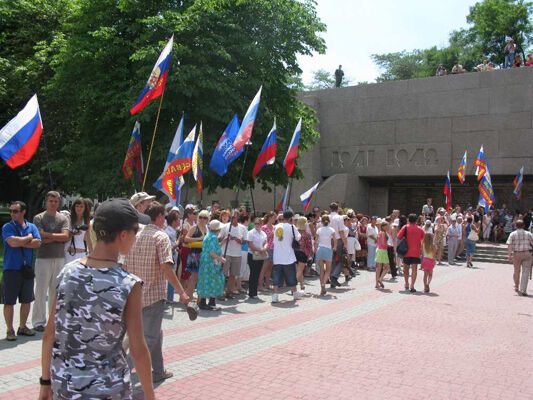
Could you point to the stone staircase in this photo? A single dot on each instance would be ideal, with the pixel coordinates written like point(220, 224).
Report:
point(489, 253)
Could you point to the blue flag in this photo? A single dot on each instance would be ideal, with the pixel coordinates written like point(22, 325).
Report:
point(225, 152)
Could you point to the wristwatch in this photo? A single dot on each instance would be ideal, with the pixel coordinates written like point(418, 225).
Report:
point(45, 382)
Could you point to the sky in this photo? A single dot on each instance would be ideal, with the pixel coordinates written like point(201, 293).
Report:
point(358, 28)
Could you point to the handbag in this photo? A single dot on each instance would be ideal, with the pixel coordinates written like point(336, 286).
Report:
point(402, 248)
point(357, 245)
point(473, 236)
point(258, 256)
point(295, 243)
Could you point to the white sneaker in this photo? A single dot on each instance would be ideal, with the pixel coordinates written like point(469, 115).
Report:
point(275, 298)
point(298, 295)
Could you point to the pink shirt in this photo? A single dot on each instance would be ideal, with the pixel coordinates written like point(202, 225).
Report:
point(382, 241)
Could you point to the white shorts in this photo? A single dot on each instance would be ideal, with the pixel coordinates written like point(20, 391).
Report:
point(350, 242)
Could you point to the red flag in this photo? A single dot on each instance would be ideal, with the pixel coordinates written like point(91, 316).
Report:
point(134, 158)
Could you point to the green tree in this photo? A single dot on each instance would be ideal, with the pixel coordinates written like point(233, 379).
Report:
point(494, 20)
point(491, 21)
point(224, 50)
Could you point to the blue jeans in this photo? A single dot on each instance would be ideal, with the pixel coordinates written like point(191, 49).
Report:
point(170, 288)
point(470, 247)
point(509, 60)
point(371, 257)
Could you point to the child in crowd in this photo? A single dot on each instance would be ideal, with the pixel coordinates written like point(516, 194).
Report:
point(429, 249)
point(382, 256)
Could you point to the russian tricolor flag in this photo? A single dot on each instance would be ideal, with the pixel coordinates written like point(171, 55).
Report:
point(307, 196)
point(247, 125)
point(172, 153)
point(19, 139)
point(292, 154)
point(157, 80)
point(267, 155)
point(283, 204)
point(448, 192)
point(180, 164)
point(518, 182)
point(134, 155)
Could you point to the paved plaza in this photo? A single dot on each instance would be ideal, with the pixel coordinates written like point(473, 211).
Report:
point(472, 338)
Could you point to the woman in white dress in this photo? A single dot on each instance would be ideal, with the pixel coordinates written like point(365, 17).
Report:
point(76, 247)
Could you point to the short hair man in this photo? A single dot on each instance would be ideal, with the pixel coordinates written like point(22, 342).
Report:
point(54, 230)
point(151, 260)
point(20, 237)
point(284, 257)
point(427, 209)
point(519, 247)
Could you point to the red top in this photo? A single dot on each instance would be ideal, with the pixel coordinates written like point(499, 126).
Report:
point(415, 235)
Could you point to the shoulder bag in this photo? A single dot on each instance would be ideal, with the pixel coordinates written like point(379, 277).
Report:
point(402, 248)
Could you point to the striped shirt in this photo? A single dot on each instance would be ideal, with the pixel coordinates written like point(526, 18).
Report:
point(520, 240)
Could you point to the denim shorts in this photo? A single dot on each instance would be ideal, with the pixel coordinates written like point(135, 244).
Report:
point(285, 273)
point(270, 254)
point(324, 254)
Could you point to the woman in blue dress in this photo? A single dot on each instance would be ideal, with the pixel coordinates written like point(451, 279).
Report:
point(210, 275)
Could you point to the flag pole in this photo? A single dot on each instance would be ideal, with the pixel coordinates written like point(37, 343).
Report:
point(240, 177)
point(253, 202)
point(275, 197)
point(48, 162)
point(289, 196)
point(153, 139)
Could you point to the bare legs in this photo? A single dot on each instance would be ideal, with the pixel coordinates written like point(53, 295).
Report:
point(428, 275)
point(381, 271)
point(300, 275)
point(264, 276)
point(406, 276)
point(325, 270)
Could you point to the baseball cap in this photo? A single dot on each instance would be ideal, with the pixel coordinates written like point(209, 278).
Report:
point(115, 215)
point(140, 196)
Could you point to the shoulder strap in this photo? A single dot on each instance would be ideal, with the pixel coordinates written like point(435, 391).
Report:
point(21, 248)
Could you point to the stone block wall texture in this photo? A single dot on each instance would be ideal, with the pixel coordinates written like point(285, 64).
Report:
point(413, 132)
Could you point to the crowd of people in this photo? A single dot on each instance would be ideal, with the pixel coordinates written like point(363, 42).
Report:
point(513, 59)
point(108, 271)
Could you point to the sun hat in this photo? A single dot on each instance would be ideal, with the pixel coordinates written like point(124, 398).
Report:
point(139, 197)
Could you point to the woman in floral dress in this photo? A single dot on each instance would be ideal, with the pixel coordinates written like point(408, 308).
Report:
point(210, 275)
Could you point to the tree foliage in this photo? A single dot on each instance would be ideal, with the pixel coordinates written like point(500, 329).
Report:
point(491, 22)
point(90, 65)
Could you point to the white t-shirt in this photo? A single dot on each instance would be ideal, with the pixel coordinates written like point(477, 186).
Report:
point(283, 236)
point(257, 239)
point(239, 232)
point(371, 231)
point(336, 222)
point(324, 236)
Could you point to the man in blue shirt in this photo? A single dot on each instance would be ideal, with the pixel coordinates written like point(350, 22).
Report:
point(20, 238)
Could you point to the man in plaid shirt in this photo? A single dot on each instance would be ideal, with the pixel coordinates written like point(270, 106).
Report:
point(520, 245)
point(151, 260)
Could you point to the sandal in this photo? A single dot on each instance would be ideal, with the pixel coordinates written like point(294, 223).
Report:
point(382, 285)
point(25, 331)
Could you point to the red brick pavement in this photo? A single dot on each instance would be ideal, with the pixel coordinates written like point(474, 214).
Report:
point(472, 339)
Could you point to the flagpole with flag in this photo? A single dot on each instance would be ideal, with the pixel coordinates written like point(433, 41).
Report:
point(267, 155)
point(133, 161)
point(461, 172)
point(154, 87)
point(172, 153)
point(179, 165)
point(19, 138)
point(481, 164)
point(306, 197)
point(197, 162)
point(448, 192)
point(292, 154)
point(518, 182)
